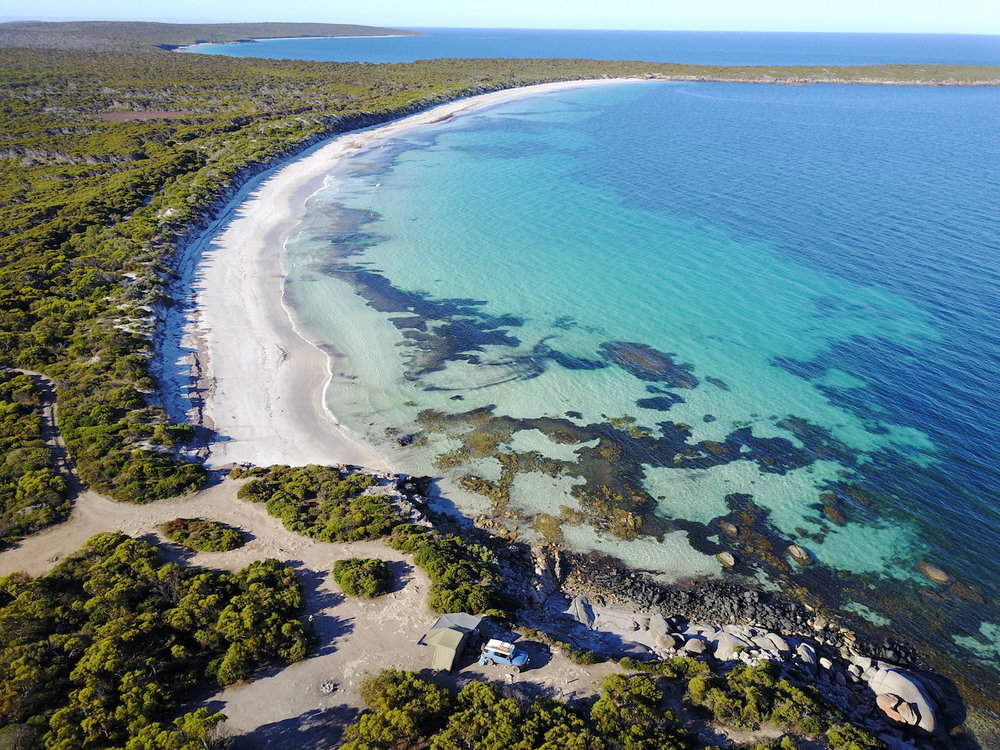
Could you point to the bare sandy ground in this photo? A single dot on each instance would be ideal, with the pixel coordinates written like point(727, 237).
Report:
point(262, 383)
point(286, 708)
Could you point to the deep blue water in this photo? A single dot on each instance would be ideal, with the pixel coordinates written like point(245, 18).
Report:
point(825, 252)
point(704, 47)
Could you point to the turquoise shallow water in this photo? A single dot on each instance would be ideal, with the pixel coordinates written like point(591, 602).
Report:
point(819, 263)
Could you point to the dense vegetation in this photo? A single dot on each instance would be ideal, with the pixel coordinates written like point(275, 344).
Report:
point(328, 504)
point(107, 159)
point(321, 502)
point(204, 536)
point(117, 35)
point(32, 493)
point(463, 574)
point(748, 697)
point(98, 652)
point(366, 577)
point(631, 713)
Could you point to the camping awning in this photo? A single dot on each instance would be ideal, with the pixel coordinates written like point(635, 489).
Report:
point(448, 644)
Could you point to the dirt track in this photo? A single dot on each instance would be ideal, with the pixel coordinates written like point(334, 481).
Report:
point(285, 708)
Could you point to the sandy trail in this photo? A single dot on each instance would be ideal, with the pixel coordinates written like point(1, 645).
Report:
point(286, 708)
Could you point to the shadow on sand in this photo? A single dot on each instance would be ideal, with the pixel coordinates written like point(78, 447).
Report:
point(317, 729)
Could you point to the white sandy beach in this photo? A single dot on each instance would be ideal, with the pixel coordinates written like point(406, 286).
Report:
point(261, 382)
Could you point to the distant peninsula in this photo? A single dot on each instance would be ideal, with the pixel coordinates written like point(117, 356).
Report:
point(139, 35)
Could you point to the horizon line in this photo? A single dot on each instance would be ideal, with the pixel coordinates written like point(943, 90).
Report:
point(25, 19)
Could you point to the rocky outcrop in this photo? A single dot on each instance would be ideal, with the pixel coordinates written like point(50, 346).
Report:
point(727, 558)
point(728, 624)
point(800, 554)
point(913, 707)
point(581, 611)
point(936, 574)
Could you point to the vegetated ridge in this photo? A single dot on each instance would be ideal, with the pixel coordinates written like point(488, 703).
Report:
point(139, 35)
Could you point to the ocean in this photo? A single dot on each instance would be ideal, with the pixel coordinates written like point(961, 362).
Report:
point(702, 47)
point(664, 320)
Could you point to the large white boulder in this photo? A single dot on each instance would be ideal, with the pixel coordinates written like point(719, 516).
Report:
point(806, 654)
point(905, 685)
point(727, 645)
point(695, 646)
point(658, 625)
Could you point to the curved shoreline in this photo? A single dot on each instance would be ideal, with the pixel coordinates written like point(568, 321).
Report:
point(242, 368)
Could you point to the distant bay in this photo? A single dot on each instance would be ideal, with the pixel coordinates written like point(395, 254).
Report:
point(697, 47)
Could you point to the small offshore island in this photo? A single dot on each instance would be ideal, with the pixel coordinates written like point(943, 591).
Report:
point(131, 176)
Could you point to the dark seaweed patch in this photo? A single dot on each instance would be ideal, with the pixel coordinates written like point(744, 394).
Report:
point(543, 351)
point(646, 363)
point(799, 368)
point(659, 403)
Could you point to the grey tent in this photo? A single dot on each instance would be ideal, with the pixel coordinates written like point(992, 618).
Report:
point(449, 636)
point(458, 619)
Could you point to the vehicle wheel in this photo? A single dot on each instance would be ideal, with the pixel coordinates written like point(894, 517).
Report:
point(489, 662)
point(515, 670)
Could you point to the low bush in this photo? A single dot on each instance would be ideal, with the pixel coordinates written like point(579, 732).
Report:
point(575, 655)
point(848, 737)
point(678, 666)
point(364, 577)
point(463, 575)
point(321, 502)
point(201, 535)
point(747, 697)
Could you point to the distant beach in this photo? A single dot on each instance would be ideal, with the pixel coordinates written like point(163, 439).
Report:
point(200, 45)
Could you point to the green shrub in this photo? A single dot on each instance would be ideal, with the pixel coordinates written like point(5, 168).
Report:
point(403, 707)
point(462, 573)
point(204, 536)
point(848, 737)
point(322, 502)
point(678, 666)
point(629, 712)
point(364, 577)
point(747, 697)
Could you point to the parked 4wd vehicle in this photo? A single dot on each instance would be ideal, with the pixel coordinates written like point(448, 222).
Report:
point(501, 652)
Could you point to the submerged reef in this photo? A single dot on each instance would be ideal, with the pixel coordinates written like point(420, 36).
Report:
point(646, 363)
point(609, 460)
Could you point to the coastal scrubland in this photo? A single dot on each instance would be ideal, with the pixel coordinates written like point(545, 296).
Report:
point(109, 649)
point(108, 159)
point(32, 492)
point(633, 712)
point(141, 35)
point(325, 503)
point(101, 650)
